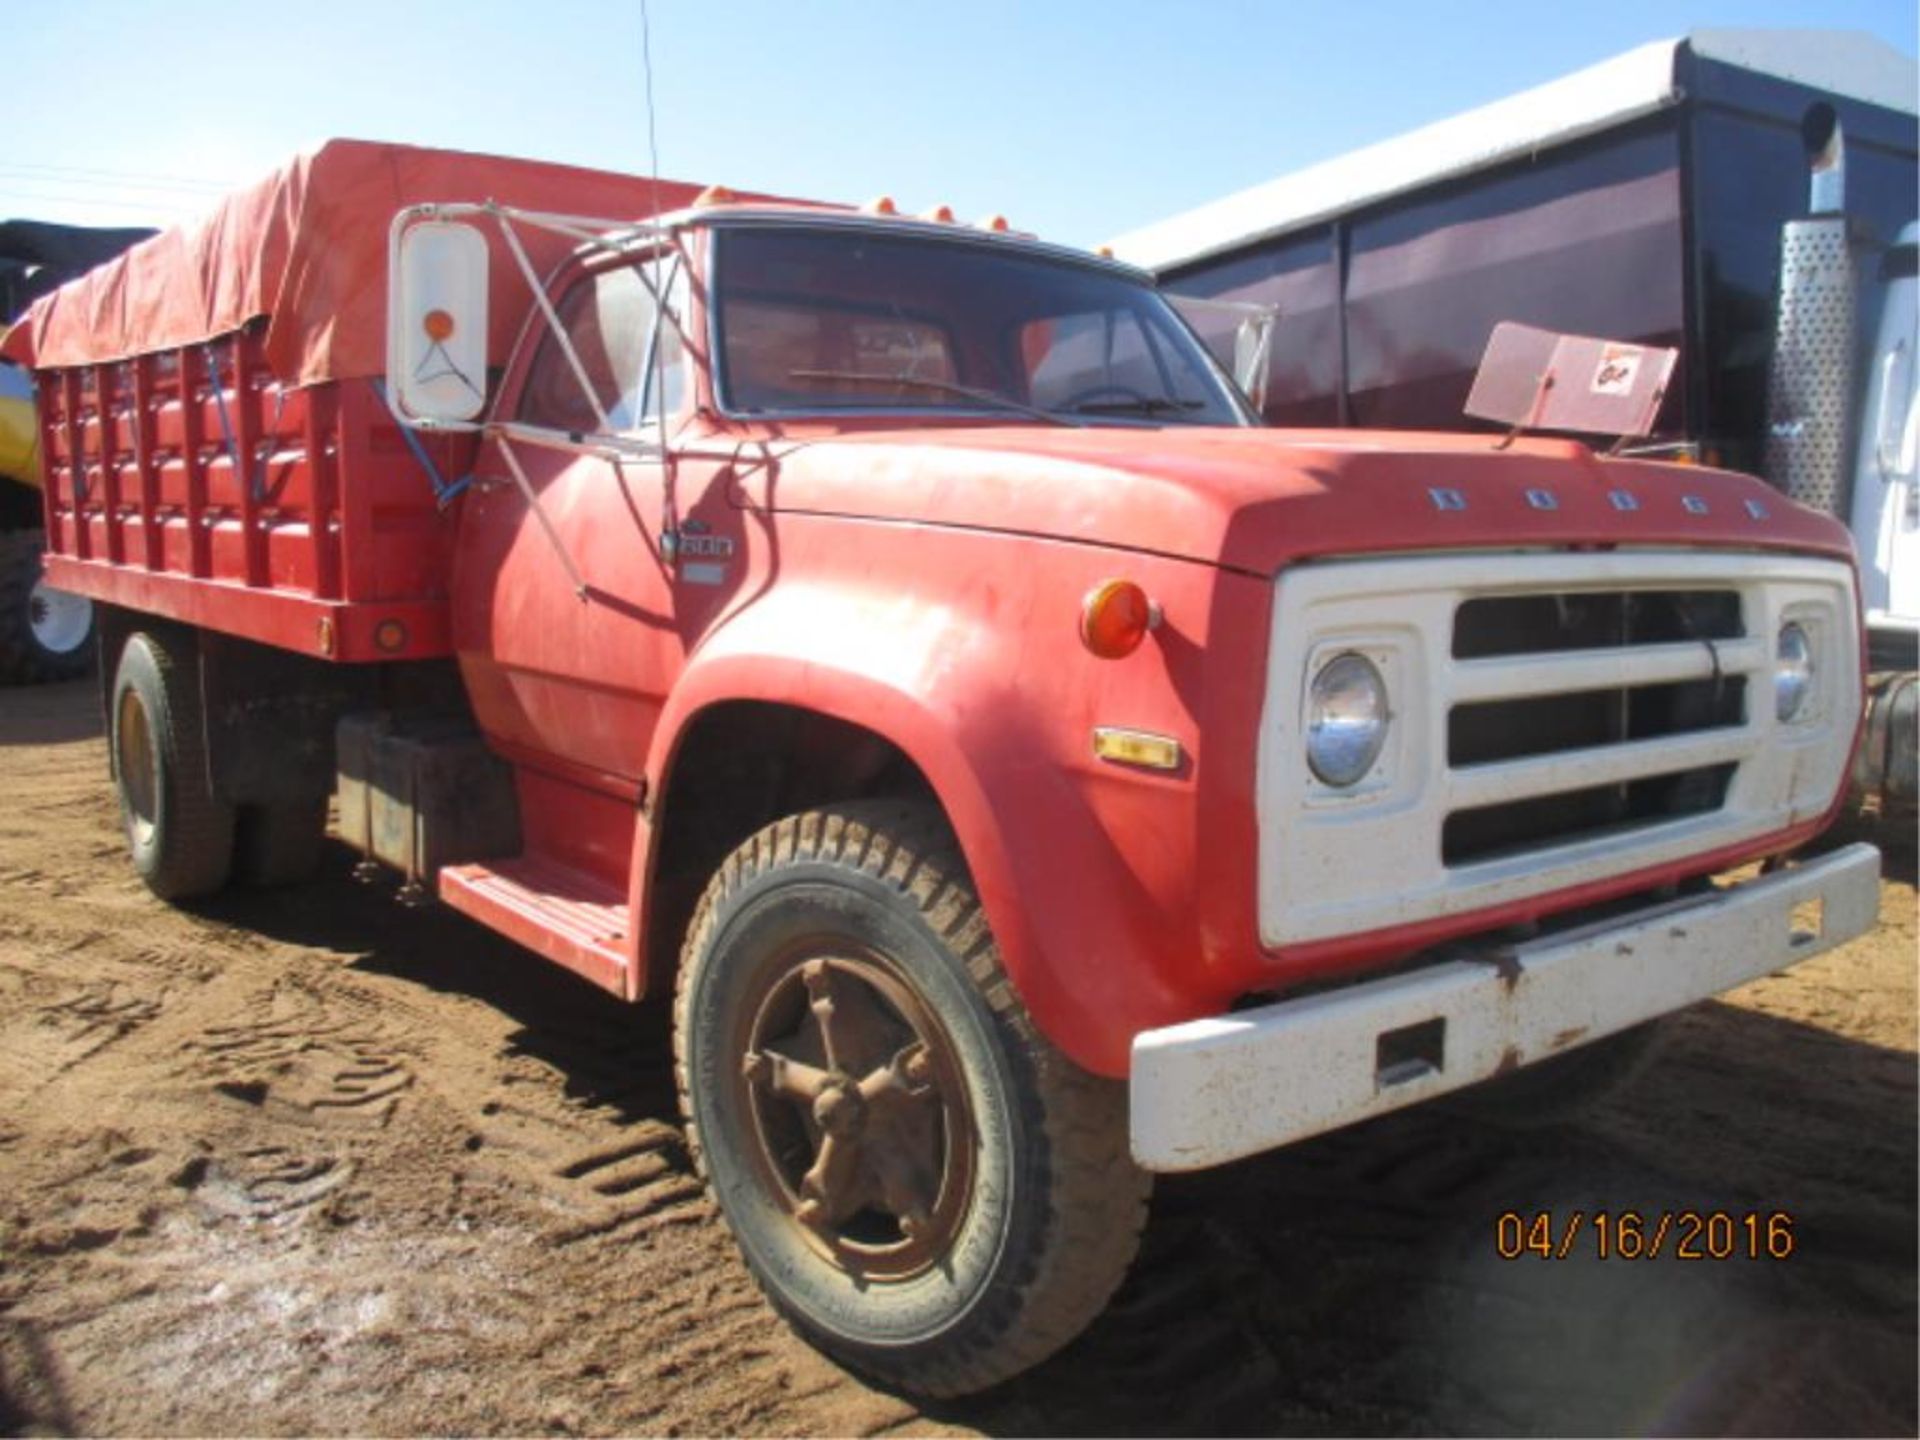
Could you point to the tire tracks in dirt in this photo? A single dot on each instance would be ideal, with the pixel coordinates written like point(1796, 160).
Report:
point(313, 1161)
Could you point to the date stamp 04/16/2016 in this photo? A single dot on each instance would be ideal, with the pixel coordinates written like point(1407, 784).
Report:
point(1644, 1235)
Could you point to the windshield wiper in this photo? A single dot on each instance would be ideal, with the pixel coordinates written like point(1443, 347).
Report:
point(1144, 405)
point(944, 387)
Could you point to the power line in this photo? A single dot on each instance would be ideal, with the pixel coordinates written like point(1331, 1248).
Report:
point(190, 182)
point(15, 193)
point(118, 186)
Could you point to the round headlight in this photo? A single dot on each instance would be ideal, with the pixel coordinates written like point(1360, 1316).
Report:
point(1346, 719)
point(1792, 672)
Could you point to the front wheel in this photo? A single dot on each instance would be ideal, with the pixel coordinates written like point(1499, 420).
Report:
point(917, 1179)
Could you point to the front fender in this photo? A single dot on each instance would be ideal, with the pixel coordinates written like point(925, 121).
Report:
point(1088, 872)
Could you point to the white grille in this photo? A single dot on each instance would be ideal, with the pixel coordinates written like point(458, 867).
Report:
point(1336, 863)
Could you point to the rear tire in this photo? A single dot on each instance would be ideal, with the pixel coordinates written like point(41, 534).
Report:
point(180, 836)
point(279, 844)
point(45, 634)
point(981, 1205)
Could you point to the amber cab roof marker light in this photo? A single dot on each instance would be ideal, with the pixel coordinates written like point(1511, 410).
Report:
point(880, 205)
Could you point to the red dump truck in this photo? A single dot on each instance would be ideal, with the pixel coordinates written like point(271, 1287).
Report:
point(898, 641)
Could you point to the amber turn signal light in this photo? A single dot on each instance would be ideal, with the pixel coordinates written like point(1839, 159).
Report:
point(1115, 618)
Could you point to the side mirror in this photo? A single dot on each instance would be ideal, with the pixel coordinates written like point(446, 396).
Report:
point(1252, 342)
point(436, 321)
point(1240, 335)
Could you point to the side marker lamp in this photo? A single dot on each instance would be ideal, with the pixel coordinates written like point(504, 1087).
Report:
point(1115, 617)
point(1136, 747)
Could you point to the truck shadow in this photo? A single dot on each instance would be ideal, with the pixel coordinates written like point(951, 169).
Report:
point(614, 1056)
point(33, 1386)
point(1353, 1284)
point(50, 714)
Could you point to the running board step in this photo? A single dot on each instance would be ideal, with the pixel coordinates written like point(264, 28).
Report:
point(574, 919)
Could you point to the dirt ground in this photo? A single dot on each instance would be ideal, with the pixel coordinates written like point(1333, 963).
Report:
point(316, 1162)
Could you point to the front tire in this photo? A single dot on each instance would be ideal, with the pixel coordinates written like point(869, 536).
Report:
point(919, 1182)
point(179, 835)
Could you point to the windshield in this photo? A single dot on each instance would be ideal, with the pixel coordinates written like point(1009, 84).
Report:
point(823, 319)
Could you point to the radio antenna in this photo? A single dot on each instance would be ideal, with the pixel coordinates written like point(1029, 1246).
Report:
point(653, 143)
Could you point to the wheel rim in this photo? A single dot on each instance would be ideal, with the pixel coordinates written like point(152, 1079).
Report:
point(138, 764)
point(862, 1128)
point(59, 619)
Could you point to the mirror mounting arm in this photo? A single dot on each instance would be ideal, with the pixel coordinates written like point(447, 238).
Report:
point(540, 513)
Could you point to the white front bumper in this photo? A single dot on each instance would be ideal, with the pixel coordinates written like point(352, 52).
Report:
point(1215, 1090)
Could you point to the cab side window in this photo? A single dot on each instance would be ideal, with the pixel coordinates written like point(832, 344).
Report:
point(609, 316)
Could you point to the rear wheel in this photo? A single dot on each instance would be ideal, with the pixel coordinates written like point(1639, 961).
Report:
point(45, 634)
point(917, 1179)
point(180, 836)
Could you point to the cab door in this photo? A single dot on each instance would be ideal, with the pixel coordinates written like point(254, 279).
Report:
point(568, 615)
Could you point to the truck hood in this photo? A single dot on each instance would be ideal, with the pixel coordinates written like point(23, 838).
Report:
point(1256, 499)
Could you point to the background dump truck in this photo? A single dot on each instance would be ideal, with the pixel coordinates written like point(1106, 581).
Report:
point(1746, 196)
point(45, 634)
point(895, 640)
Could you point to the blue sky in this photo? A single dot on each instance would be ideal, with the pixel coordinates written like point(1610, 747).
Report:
point(1077, 120)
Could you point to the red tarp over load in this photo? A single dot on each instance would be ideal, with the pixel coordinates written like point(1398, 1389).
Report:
point(246, 477)
point(307, 249)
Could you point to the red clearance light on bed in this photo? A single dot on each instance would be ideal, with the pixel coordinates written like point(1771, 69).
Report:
point(438, 324)
point(1115, 618)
